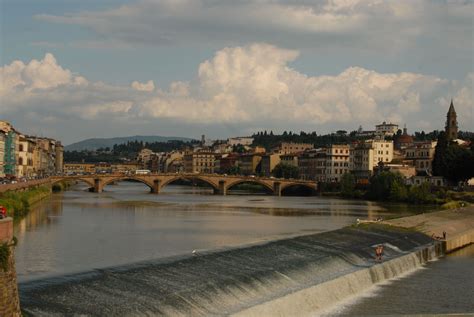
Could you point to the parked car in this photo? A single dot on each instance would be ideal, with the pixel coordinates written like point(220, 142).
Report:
point(3, 212)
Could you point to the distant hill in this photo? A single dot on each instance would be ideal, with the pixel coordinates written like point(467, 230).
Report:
point(96, 143)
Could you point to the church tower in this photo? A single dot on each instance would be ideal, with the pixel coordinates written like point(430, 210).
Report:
point(451, 123)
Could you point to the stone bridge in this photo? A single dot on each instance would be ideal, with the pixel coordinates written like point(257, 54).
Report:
point(220, 183)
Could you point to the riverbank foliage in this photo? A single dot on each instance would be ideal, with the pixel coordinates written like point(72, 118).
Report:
point(389, 186)
point(452, 161)
point(18, 203)
point(284, 170)
point(4, 256)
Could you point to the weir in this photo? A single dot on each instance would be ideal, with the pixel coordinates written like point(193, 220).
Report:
point(295, 276)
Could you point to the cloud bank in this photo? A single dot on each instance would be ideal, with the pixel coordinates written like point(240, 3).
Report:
point(361, 24)
point(246, 87)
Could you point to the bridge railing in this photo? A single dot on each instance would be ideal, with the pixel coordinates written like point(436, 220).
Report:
point(183, 174)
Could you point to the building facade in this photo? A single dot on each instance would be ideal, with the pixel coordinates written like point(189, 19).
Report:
point(248, 163)
point(290, 147)
point(366, 155)
point(386, 129)
point(199, 162)
point(421, 156)
point(312, 165)
point(240, 140)
point(337, 162)
point(268, 163)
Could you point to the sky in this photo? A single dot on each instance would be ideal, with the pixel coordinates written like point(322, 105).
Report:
point(73, 69)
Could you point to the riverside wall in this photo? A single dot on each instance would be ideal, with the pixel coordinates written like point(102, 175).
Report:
point(9, 300)
point(24, 185)
point(458, 224)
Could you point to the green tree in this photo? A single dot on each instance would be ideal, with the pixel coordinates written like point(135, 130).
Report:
point(348, 184)
point(398, 191)
point(453, 162)
point(420, 194)
point(283, 170)
point(381, 185)
point(439, 160)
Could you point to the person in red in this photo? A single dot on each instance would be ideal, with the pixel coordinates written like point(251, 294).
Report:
point(3, 212)
point(378, 253)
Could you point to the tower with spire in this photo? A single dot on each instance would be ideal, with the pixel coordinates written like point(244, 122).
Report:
point(451, 123)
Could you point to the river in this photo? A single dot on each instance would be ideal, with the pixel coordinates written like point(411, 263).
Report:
point(76, 231)
point(445, 286)
point(126, 251)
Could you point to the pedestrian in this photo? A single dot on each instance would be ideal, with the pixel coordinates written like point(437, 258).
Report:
point(444, 235)
point(378, 253)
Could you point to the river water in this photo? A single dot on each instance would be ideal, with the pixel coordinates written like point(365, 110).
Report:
point(445, 286)
point(77, 231)
point(108, 247)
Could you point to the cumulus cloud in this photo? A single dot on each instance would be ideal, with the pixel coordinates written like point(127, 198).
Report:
point(246, 86)
point(34, 75)
point(148, 86)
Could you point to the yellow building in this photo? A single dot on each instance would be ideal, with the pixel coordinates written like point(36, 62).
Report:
point(200, 162)
point(268, 163)
point(421, 155)
point(25, 166)
point(290, 147)
point(79, 168)
point(248, 163)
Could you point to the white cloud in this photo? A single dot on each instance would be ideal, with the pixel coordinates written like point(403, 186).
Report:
point(148, 86)
point(245, 86)
point(36, 74)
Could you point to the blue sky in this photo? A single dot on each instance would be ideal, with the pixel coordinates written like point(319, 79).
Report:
point(232, 67)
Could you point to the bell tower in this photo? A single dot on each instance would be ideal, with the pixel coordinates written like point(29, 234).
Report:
point(451, 123)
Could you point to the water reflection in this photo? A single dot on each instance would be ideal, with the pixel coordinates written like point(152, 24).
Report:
point(78, 230)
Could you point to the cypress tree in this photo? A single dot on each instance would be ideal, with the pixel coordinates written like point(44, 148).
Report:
point(440, 167)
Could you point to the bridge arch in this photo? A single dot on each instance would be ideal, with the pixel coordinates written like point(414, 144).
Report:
point(214, 186)
point(309, 187)
point(88, 181)
point(126, 178)
point(267, 186)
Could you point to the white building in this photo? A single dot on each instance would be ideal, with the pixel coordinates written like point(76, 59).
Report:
point(245, 140)
point(369, 154)
point(337, 162)
point(386, 129)
point(422, 154)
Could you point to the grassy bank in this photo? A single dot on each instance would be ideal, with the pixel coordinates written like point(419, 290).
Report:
point(18, 203)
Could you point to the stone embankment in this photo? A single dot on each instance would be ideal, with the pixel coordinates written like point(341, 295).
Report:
point(24, 185)
point(9, 300)
point(457, 223)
